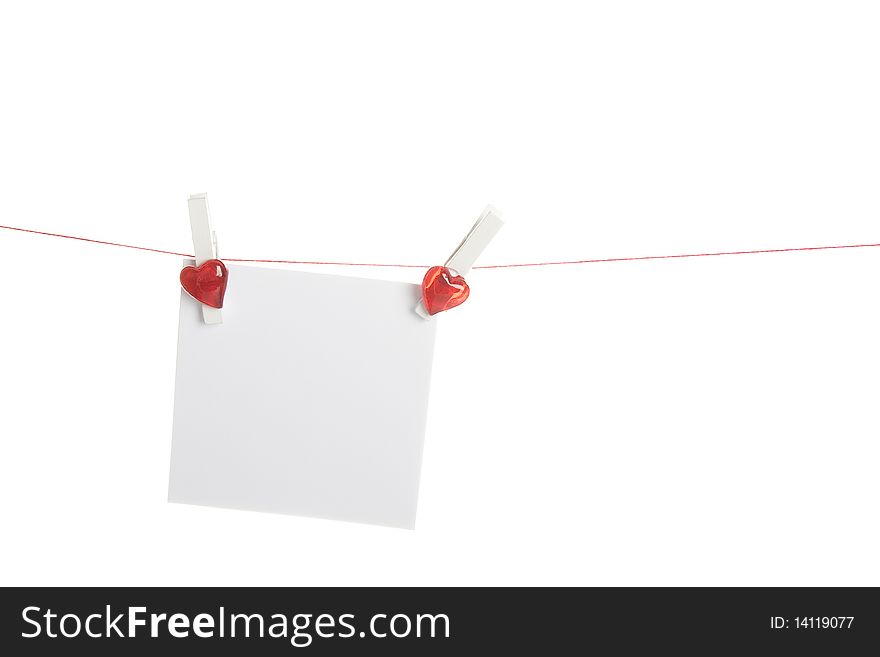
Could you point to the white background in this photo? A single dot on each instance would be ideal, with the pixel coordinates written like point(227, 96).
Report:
point(700, 421)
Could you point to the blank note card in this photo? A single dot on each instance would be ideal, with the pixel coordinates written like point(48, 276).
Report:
point(310, 398)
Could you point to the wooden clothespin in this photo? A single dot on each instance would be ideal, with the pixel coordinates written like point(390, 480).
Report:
point(205, 244)
point(444, 287)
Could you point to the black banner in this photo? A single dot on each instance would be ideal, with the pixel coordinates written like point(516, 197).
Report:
point(407, 621)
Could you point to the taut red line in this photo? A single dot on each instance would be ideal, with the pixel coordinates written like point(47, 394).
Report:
point(507, 266)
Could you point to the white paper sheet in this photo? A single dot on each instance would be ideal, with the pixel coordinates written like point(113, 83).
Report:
point(309, 399)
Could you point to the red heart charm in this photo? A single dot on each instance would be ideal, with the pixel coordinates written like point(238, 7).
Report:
point(442, 290)
point(206, 283)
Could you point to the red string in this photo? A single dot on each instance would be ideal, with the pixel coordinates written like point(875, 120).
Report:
point(508, 266)
point(86, 239)
point(678, 255)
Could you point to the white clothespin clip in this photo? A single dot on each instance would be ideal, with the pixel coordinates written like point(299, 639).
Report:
point(205, 244)
point(464, 257)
